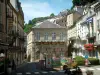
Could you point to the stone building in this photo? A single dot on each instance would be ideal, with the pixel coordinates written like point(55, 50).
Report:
point(46, 39)
point(3, 27)
point(15, 23)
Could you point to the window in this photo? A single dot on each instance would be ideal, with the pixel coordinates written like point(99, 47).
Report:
point(15, 20)
point(61, 36)
point(38, 35)
point(53, 36)
point(0, 13)
point(46, 36)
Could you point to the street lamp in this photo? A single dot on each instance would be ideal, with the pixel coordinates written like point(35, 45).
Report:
point(45, 54)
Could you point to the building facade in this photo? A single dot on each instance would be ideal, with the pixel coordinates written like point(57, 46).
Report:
point(3, 27)
point(62, 21)
point(81, 38)
point(46, 39)
point(87, 33)
point(71, 22)
point(15, 23)
point(97, 42)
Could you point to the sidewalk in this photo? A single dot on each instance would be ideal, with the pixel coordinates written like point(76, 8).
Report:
point(89, 66)
point(59, 68)
point(18, 66)
point(24, 62)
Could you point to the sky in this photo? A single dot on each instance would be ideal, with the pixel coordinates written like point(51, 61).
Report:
point(40, 8)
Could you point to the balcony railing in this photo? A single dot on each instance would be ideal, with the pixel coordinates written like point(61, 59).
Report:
point(91, 35)
point(10, 23)
point(22, 39)
point(3, 37)
point(50, 40)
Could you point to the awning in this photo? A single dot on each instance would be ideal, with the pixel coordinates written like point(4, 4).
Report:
point(89, 47)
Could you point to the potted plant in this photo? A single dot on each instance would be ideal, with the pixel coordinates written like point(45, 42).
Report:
point(89, 72)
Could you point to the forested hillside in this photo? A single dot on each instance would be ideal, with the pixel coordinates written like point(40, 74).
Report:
point(32, 22)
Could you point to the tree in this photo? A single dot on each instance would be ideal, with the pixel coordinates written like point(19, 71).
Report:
point(82, 2)
point(30, 22)
point(52, 15)
point(28, 28)
point(33, 22)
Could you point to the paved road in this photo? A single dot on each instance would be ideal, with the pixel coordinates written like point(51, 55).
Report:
point(30, 69)
point(95, 69)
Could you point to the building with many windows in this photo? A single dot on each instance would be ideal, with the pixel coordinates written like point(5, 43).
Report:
point(71, 22)
point(87, 32)
point(3, 27)
point(97, 42)
point(46, 38)
point(15, 23)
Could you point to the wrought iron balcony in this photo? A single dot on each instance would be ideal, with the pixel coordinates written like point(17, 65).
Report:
point(10, 23)
point(3, 37)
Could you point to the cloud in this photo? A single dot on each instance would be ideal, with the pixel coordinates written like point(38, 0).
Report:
point(36, 9)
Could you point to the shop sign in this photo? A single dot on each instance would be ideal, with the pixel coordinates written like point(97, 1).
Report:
point(90, 20)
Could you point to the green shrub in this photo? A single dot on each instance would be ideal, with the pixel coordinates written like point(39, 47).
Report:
point(93, 61)
point(80, 60)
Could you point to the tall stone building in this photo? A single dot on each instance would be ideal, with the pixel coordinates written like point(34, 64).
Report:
point(15, 23)
point(46, 39)
point(3, 27)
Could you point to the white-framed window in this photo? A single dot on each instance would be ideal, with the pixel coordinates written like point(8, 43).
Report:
point(61, 36)
point(46, 36)
point(38, 36)
point(54, 36)
point(98, 23)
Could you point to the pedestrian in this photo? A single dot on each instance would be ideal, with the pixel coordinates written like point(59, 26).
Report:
point(13, 65)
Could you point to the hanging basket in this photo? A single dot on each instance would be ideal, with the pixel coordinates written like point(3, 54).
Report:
point(89, 47)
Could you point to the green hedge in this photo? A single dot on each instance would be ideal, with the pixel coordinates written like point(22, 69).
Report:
point(81, 60)
point(94, 61)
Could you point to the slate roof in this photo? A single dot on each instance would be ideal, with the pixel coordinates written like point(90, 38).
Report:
point(48, 24)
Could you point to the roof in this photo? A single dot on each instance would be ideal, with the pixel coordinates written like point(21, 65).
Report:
point(48, 24)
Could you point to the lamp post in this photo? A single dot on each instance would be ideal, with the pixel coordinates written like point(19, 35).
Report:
point(45, 59)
